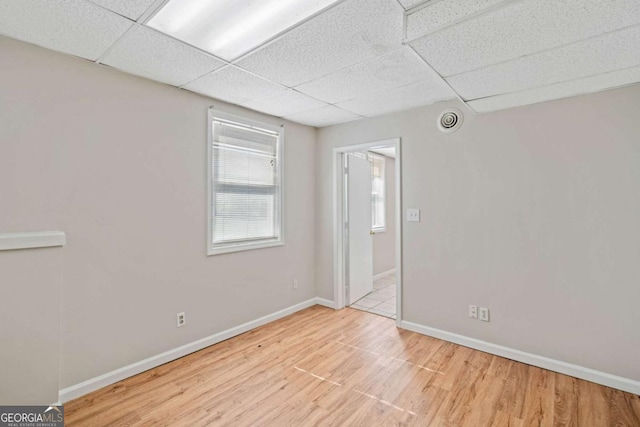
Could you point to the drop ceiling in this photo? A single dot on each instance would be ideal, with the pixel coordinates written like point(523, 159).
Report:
point(362, 58)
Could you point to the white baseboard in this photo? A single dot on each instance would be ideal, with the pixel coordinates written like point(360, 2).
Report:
point(325, 302)
point(384, 274)
point(112, 377)
point(614, 381)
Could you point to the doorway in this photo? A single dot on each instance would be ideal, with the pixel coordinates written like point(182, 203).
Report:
point(367, 239)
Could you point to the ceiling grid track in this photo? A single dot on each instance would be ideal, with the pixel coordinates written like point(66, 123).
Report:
point(471, 16)
point(551, 49)
point(444, 81)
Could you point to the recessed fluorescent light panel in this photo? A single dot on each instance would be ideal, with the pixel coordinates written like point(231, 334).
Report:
point(231, 28)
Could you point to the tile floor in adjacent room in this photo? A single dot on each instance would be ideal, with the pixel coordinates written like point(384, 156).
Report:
point(382, 300)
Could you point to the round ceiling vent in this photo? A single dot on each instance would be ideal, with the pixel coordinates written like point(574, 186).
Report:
point(450, 120)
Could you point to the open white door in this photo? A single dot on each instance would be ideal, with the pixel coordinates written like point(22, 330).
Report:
point(360, 250)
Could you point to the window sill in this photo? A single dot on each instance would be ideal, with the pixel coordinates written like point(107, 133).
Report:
point(242, 247)
point(379, 230)
point(31, 240)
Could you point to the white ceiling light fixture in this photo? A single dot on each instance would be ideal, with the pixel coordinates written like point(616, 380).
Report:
point(231, 28)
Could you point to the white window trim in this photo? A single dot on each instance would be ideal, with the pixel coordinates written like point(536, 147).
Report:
point(255, 244)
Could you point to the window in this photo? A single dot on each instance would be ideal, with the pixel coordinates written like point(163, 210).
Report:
point(245, 205)
point(377, 192)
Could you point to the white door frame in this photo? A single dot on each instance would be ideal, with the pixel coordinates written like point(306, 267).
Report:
point(338, 220)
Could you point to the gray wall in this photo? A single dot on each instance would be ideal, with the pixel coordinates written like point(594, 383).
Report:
point(30, 282)
point(384, 243)
point(531, 212)
point(119, 164)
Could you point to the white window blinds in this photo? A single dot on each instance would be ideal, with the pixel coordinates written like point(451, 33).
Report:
point(245, 178)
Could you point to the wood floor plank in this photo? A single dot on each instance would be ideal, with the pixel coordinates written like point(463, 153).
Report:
point(625, 409)
point(321, 367)
point(566, 401)
point(483, 407)
point(539, 398)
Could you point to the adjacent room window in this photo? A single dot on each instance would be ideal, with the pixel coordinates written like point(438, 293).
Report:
point(245, 205)
point(377, 192)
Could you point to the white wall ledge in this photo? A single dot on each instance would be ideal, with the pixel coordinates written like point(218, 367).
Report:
point(31, 240)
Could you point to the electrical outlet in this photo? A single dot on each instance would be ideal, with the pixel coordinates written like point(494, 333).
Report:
point(181, 319)
point(484, 314)
point(473, 311)
point(295, 283)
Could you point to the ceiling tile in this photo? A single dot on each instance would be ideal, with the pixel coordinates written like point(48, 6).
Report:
point(148, 53)
point(558, 90)
point(398, 68)
point(233, 85)
point(349, 33)
point(76, 27)
point(285, 103)
point(436, 15)
point(610, 52)
point(408, 4)
point(324, 116)
point(130, 8)
point(522, 28)
point(414, 95)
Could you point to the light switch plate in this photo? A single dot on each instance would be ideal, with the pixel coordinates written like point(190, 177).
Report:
point(413, 215)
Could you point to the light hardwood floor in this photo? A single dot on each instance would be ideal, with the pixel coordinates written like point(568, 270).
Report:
point(349, 368)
